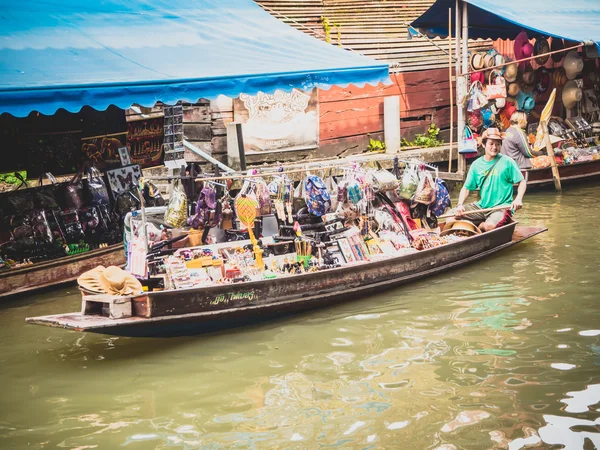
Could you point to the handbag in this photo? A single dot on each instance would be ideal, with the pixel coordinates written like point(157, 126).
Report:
point(383, 181)
point(176, 213)
point(468, 144)
point(426, 191)
point(95, 188)
point(496, 88)
point(409, 183)
point(74, 192)
point(477, 98)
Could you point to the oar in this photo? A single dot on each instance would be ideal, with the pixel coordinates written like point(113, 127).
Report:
point(466, 213)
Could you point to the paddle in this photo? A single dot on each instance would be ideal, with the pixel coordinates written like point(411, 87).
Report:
point(466, 213)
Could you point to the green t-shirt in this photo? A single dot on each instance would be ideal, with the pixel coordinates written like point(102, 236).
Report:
point(498, 187)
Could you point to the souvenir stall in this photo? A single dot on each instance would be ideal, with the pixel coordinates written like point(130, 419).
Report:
point(274, 227)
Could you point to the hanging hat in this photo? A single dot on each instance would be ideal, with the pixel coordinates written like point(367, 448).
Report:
point(557, 44)
point(477, 61)
point(510, 73)
point(478, 76)
point(543, 80)
point(527, 78)
point(513, 90)
point(460, 227)
point(523, 48)
point(571, 94)
point(573, 64)
point(492, 59)
point(541, 47)
point(559, 77)
point(525, 101)
point(110, 280)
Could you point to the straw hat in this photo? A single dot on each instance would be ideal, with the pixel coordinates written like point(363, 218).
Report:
point(513, 90)
point(477, 62)
point(110, 280)
point(559, 77)
point(571, 94)
point(461, 226)
point(491, 133)
point(573, 64)
point(557, 44)
point(541, 47)
point(527, 78)
point(523, 48)
point(510, 73)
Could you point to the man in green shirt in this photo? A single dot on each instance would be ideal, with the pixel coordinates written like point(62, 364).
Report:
point(494, 176)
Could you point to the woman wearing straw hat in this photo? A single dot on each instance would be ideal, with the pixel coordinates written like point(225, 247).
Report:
point(515, 142)
point(494, 176)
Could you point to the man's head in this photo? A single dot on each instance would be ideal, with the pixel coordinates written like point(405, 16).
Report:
point(492, 142)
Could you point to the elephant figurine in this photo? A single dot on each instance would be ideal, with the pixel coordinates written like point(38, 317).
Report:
point(110, 148)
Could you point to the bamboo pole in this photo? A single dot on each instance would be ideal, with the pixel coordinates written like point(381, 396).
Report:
point(476, 211)
point(550, 151)
point(451, 94)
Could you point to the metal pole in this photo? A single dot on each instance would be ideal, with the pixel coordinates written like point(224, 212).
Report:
point(206, 156)
point(451, 93)
point(462, 164)
point(240, 143)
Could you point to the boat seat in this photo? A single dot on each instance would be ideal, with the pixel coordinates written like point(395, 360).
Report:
point(114, 307)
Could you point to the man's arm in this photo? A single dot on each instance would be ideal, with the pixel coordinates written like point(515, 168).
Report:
point(462, 197)
point(518, 201)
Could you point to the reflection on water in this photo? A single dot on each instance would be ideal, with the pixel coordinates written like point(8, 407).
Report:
point(503, 354)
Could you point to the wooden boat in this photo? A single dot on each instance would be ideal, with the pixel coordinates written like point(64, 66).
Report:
point(579, 171)
point(189, 311)
point(56, 272)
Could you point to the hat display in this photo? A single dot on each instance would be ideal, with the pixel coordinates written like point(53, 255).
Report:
point(110, 280)
point(527, 78)
point(510, 73)
point(541, 47)
point(559, 77)
point(523, 48)
point(573, 64)
point(557, 44)
point(491, 133)
point(571, 94)
point(513, 90)
point(542, 80)
point(461, 227)
point(493, 59)
point(525, 101)
point(477, 62)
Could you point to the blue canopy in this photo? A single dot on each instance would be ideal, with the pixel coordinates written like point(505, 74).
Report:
point(71, 53)
point(574, 20)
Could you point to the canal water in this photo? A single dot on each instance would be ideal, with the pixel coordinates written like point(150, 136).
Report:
point(504, 353)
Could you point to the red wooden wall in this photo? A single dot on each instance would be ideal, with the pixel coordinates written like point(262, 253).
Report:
point(350, 114)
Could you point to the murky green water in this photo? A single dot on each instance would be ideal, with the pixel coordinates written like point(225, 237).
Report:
point(501, 354)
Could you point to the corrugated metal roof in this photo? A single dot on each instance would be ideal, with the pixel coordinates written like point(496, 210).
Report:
point(375, 28)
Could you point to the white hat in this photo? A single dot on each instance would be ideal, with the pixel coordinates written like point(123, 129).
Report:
point(573, 64)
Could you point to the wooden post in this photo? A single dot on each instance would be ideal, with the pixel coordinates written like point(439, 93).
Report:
point(391, 123)
point(550, 150)
point(451, 94)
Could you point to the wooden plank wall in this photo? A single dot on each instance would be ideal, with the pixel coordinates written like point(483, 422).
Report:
point(349, 116)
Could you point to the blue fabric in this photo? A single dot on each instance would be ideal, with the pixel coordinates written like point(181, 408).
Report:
point(574, 20)
point(71, 53)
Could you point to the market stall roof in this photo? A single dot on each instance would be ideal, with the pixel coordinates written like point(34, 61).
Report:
point(574, 20)
point(69, 53)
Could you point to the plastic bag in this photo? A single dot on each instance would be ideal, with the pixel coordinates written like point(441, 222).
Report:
point(45, 196)
point(317, 197)
point(263, 196)
point(332, 188)
point(383, 181)
point(74, 192)
point(152, 195)
point(41, 227)
point(95, 188)
point(409, 183)
point(176, 213)
point(72, 227)
point(426, 190)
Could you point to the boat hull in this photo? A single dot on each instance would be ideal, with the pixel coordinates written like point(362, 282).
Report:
point(57, 272)
point(568, 173)
point(200, 310)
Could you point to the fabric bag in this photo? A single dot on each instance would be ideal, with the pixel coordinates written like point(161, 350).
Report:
point(318, 200)
point(74, 192)
point(383, 181)
point(263, 196)
point(467, 144)
point(176, 213)
point(95, 188)
point(442, 200)
point(495, 88)
point(426, 190)
point(477, 98)
point(332, 188)
point(409, 183)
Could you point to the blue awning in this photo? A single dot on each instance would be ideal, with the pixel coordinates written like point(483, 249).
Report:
point(574, 20)
point(71, 53)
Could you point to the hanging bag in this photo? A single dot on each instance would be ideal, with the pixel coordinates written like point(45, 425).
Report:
point(467, 144)
point(95, 188)
point(477, 98)
point(176, 213)
point(74, 192)
point(383, 181)
point(442, 200)
point(332, 188)
point(409, 183)
point(496, 88)
point(263, 196)
point(426, 191)
point(318, 200)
